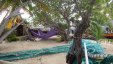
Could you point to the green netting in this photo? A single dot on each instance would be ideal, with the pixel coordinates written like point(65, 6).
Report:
point(33, 53)
point(107, 60)
point(58, 49)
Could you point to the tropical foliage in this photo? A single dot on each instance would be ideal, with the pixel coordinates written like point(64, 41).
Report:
point(65, 11)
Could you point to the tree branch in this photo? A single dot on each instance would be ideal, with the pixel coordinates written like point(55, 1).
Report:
point(6, 20)
point(78, 8)
point(9, 32)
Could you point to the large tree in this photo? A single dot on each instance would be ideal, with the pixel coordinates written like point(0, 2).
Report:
point(90, 11)
point(89, 14)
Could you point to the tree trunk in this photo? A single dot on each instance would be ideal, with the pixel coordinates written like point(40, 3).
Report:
point(76, 51)
point(9, 32)
point(68, 22)
point(5, 21)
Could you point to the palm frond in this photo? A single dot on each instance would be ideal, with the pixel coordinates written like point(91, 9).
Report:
point(96, 29)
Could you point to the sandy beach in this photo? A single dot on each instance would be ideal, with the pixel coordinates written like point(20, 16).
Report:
point(45, 59)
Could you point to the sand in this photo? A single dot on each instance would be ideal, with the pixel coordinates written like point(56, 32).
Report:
point(108, 48)
point(46, 59)
point(32, 45)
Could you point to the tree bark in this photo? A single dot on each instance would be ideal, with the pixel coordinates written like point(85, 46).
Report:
point(78, 39)
point(76, 51)
point(68, 23)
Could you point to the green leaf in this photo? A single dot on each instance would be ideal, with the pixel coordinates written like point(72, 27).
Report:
point(42, 6)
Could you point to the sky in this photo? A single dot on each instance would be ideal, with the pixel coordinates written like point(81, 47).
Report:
point(24, 16)
point(2, 14)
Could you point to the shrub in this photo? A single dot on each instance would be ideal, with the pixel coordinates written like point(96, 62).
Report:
point(12, 37)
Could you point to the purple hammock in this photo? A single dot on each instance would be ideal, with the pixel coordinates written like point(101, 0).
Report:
point(40, 34)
